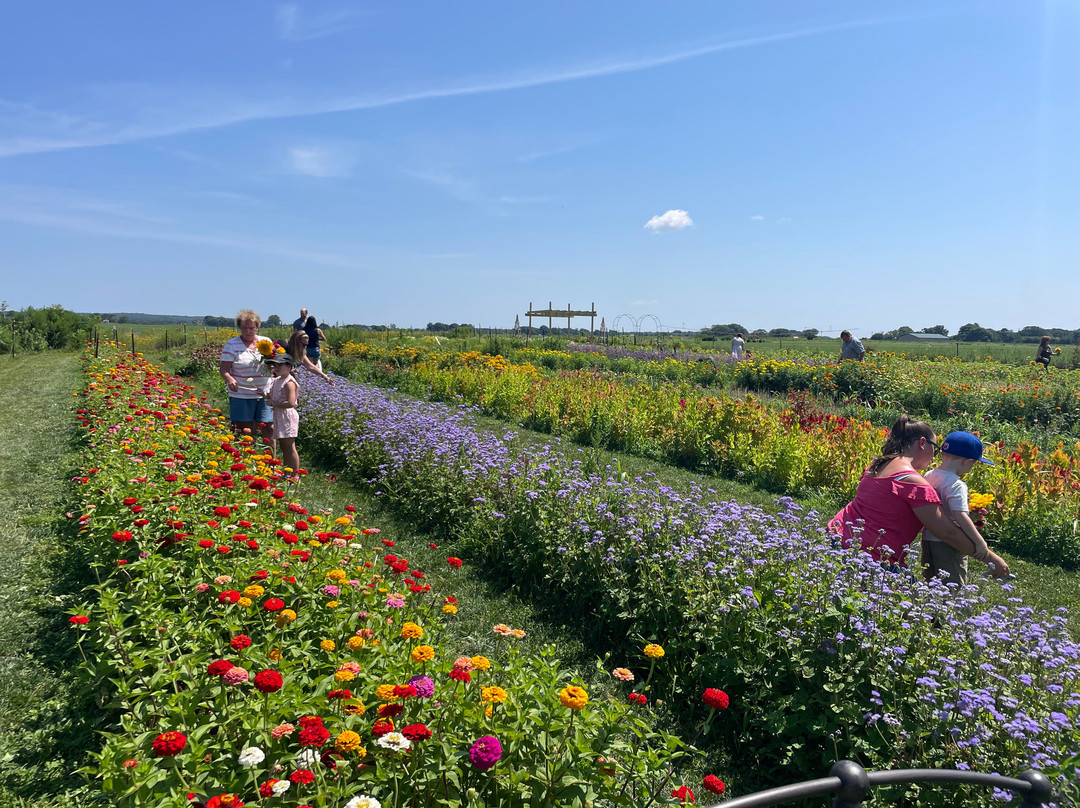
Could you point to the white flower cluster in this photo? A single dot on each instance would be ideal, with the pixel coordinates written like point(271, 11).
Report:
point(251, 757)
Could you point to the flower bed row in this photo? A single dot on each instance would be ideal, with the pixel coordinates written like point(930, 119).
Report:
point(797, 450)
point(258, 653)
point(826, 654)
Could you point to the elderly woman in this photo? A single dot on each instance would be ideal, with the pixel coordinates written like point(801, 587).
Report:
point(894, 503)
point(247, 378)
point(296, 347)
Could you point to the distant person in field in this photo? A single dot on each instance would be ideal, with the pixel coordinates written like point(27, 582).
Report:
point(283, 394)
point(315, 337)
point(737, 346)
point(1043, 355)
point(301, 321)
point(894, 502)
point(246, 377)
point(852, 348)
point(297, 349)
point(960, 451)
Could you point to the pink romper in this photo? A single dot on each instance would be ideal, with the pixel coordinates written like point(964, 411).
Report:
point(286, 421)
point(886, 507)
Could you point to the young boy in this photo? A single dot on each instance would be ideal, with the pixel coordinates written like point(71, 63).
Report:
point(959, 454)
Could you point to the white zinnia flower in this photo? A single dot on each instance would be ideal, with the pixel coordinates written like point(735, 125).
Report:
point(307, 758)
point(395, 741)
point(251, 757)
point(280, 787)
point(363, 802)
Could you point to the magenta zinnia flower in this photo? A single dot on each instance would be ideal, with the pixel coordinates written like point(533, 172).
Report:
point(485, 753)
point(425, 688)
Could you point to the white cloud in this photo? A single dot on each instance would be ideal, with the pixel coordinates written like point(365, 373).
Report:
point(296, 26)
point(757, 218)
point(174, 111)
point(321, 161)
point(672, 220)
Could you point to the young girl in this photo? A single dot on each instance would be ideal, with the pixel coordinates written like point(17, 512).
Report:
point(284, 390)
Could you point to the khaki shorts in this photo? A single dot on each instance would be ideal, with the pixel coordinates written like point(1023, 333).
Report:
point(937, 556)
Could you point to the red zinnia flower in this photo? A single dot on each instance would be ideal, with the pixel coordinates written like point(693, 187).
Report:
point(302, 777)
point(240, 642)
point(168, 744)
point(339, 694)
point(314, 735)
point(684, 795)
point(404, 691)
point(268, 681)
point(206, 544)
point(222, 511)
point(350, 508)
point(225, 801)
point(461, 676)
point(390, 710)
point(267, 788)
point(228, 596)
point(717, 699)
point(454, 562)
point(638, 698)
point(79, 620)
point(122, 536)
point(714, 784)
point(381, 727)
point(130, 500)
point(416, 732)
point(273, 604)
point(301, 526)
point(219, 668)
point(310, 720)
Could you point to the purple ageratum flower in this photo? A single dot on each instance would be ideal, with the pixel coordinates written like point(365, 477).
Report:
point(425, 688)
point(486, 752)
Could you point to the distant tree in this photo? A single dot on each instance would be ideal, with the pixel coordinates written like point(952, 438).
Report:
point(810, 333)
point(781, 332)
point(273, 321)
point(935, 329)
point(1006, 335)
point(973, 332)
point(877, 335)
point(904, 330)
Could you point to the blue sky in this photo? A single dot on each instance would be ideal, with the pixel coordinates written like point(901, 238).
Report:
point(783, 163)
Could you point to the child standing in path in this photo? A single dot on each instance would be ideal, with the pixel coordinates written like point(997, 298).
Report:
point(284, 391)
point(959, 454)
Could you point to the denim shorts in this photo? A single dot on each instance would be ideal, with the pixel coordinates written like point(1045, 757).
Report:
point(313, 353)
point(248, 410)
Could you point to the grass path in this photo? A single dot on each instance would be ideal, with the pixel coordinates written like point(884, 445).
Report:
point(41, 738)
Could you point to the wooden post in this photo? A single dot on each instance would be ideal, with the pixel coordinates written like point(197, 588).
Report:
point(166, 339)
point(13, 337)
point(592, 320)
point(185, 335)
point(133, 341)
point(549, 317)
point(528, 333)
point(97, 343)
point(568, 321)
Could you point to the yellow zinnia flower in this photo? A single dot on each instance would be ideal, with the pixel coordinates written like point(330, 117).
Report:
point(355, 642)
point(327, 645)
point(384, 692)
point(285, 616)
point(347, 741)
point(449, 608)
point(493, 694)
point(254, 591)
point(337, 576)
point(654, 651)
point(353, 707)
point(423, 653)
point(573, 697)
point(344, 676)
point(244, 601)
point(411, 631)
point(481, 663)
point(275, 655)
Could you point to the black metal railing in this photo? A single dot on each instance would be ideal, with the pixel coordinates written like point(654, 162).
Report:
point(851, 784)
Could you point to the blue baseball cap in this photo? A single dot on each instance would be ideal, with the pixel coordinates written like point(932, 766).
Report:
point(964, 444)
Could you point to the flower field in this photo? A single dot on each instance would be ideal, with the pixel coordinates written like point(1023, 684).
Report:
point(257, 653)
point(823, 653)
point(794, 449)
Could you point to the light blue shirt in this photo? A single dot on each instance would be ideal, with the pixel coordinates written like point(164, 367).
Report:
point(852, 349)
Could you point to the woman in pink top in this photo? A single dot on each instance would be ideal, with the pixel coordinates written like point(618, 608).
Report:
point(894, 503)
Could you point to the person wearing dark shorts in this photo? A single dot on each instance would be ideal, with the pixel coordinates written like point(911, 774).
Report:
point(246, 377)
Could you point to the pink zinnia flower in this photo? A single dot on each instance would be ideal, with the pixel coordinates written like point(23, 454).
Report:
point(486, 752)
point(395, 603)
point(235, 676)
point(202, 587)
point(351, 667)
point(331, 590)
point(463, 664)
point(282, 731)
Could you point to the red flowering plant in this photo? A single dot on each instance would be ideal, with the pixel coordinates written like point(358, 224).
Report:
point(257, 675)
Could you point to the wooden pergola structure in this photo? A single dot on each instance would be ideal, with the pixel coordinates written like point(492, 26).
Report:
point(568, 313)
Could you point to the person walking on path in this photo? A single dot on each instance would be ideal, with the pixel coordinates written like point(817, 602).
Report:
point(737, 346)
point(315, 337)
point(852, 348)
point(299, 322)
point(246, 377)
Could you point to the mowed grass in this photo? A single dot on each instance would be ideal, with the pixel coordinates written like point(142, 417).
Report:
point(46, 724)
